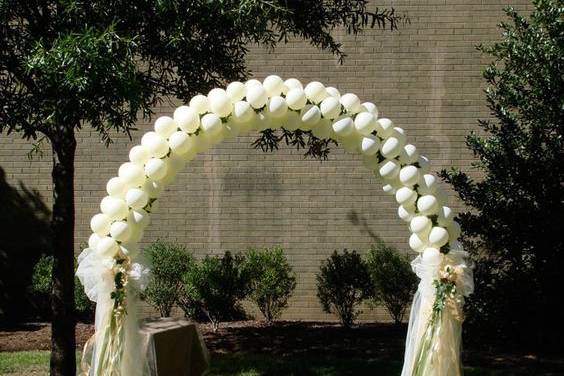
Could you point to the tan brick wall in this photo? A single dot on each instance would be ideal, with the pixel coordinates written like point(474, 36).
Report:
point(426, 77)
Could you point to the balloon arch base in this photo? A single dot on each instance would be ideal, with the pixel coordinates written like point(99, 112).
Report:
point(113, 273)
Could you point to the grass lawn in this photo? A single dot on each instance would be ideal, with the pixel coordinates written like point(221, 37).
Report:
point(36, 363)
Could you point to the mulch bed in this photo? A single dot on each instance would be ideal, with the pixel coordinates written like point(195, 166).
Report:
point(286, 338)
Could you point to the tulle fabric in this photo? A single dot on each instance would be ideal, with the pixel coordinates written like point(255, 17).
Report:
point(447, 332)
point(96, 276)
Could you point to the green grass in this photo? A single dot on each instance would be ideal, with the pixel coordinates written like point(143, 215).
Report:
point(35, 363)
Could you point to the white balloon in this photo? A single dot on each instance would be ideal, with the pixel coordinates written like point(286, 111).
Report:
point(242, 112)
point(139, 154)
point(120, 231)
point(424, 164)
point(165, 126)
point(211, 123)
point(365, 123)
point(420, 224)
point(370, 107)
point(256, 96)
point(136, 234)
point(252, 82)
point(100, 224)
point(408, 154)
point(432, 256)
point(310, 116)
point(427, 205)
point(153, 188)
point(389, 169)
point(351, 142)
point(343, 126)
point(330, 108)
point(315, 92)
point(139, 217)
point(438, 236)
point(180, 142)
point(107, 247)
point(114, 208)
point(292, 83)
point(441, 196)
point(331, 91)
point(406, 196)
point(231, 130)
point(236, 91)
point(176, 162)
point(200, 104)
point(93, 240)
point(323, 129)
point(409, 175)
point(350, 102)
point(155, 144)
point(187, 119)
point(427, 184)
point(417, 243)
point(296, 99)
point(389, 189)
point(370, 162)
point(405, 213)
point(132, 174)
point(454, 230)
point(116, 187)
point(219, 102)
point(391, 147)
point(273, 85)
point(384, 128)
point(370, 145)
point(445, 216)
point(136, 198)
point(277, 107)
point(399, 133)
point(455, 245)
point(156, 168)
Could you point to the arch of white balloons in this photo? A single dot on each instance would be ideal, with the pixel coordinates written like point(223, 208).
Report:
point(238, 109)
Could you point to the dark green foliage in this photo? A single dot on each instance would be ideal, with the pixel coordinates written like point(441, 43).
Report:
point(217, 285)
point(41, 286)
point(394, 281)
point(516, 208)
point(343, 283)
point(169, 262)
point(272, 280)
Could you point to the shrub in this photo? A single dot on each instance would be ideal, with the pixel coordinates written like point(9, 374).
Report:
point(217, 286)
point(271, 280)
point(169, 262)
point(342, 284)
point(393, 280)
point(41, 287)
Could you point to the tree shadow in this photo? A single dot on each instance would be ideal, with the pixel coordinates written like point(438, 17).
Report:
point(24, 236)
point(359, 221)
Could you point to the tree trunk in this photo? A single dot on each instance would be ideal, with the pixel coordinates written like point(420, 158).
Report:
point(63, 361)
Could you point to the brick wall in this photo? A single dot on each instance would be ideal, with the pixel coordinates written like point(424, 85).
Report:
point(426, 77)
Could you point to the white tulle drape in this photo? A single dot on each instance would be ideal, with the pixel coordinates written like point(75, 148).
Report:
point(95, 274)
point(446, 352)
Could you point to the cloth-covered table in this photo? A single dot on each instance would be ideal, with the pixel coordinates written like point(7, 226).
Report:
point(175, 347)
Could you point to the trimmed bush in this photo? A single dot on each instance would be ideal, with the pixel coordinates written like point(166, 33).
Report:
point(217, 286)
point(169, 263)
point(394, 281)
point(272, 281)
point(41, 287)
point(343, 284)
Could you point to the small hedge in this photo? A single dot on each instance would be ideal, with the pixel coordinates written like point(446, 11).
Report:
point(41, 286)
point(394, 281)
point(343, 283)
point(272, 280)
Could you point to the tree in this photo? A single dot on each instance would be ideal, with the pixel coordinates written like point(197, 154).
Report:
point(516, 207)
point(69, 64)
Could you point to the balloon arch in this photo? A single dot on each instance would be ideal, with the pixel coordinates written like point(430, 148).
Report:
point(112, 274)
